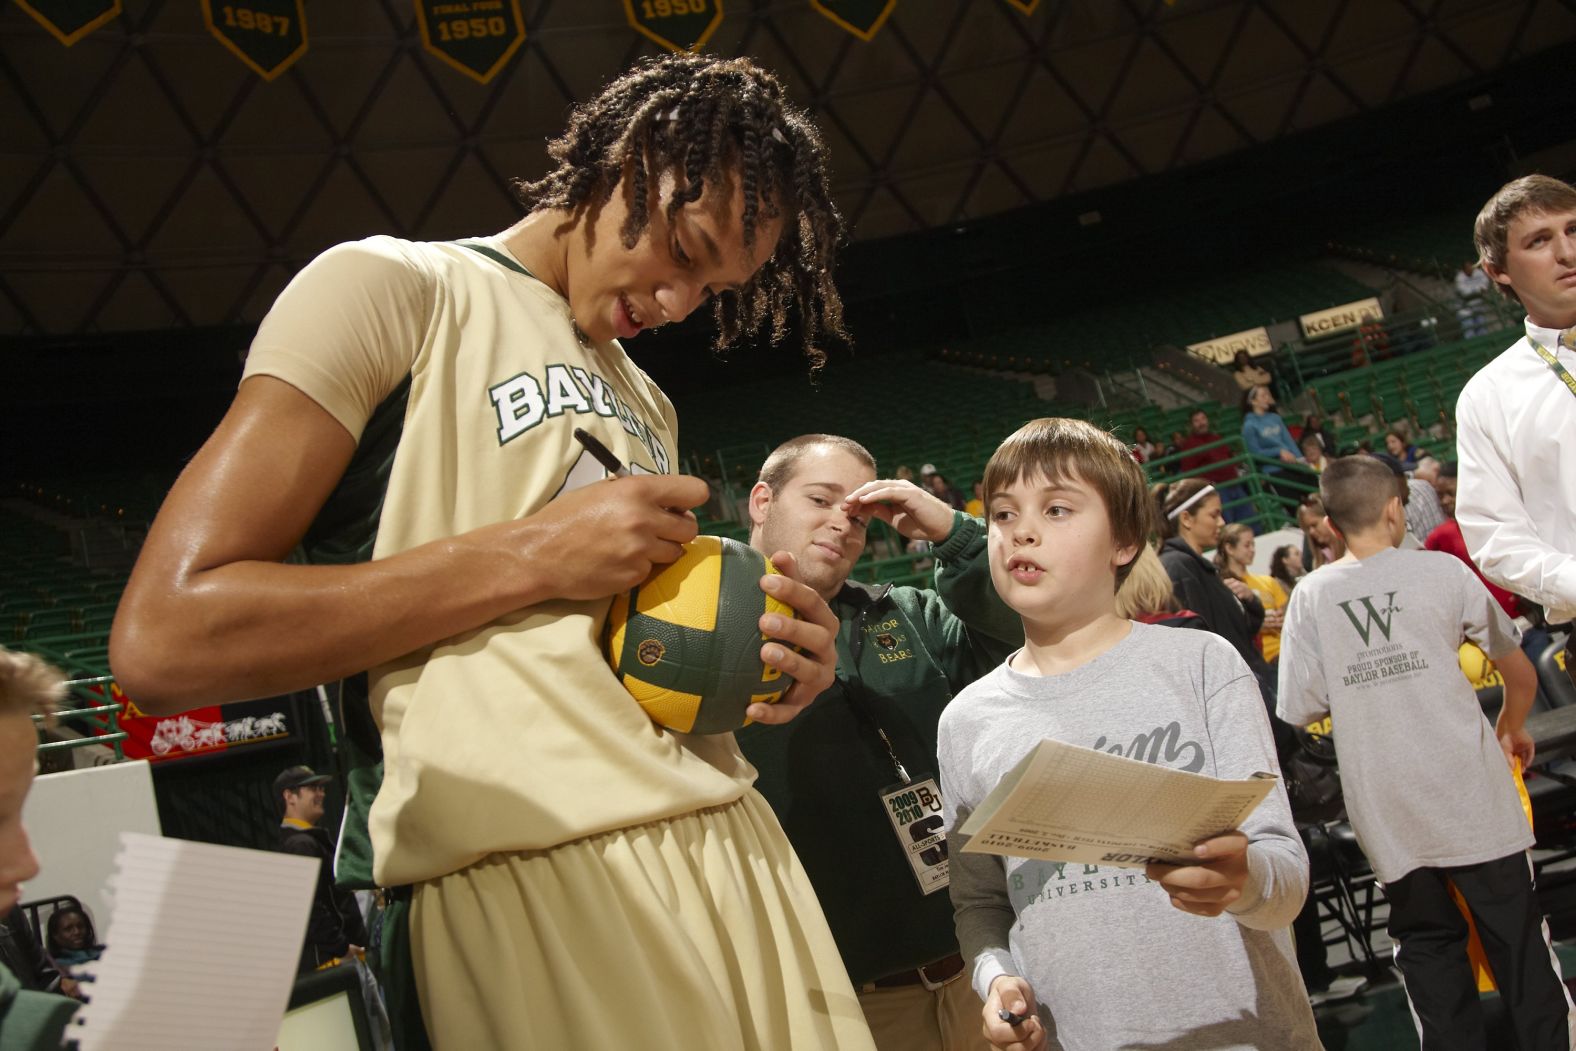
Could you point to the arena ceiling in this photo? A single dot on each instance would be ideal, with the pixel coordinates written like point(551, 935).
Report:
point(149, 179)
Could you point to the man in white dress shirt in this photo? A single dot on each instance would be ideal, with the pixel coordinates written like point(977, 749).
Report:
point(1516, 419)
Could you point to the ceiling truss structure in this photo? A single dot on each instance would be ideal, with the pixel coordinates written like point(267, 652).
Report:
point(149, 180)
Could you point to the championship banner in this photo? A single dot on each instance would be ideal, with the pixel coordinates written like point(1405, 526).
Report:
point(1339, 319)
point(70, 20)
point(476, 37)
point(678, 25)
point(202, 731)
point(267, 35)
point(1027, 6)
point(1222, 349)
point(863, 18)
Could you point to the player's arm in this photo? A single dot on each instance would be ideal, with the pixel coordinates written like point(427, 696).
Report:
point(211, 614)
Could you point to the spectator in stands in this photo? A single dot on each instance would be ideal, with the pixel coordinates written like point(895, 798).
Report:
point(1233, 557)
point(945, 491)
point(1248, 374)
point(1370, 343)
point(903, 652)
point(1424, 511)
point(1472, 310)
point(31, 1017)
point(976, 503)
point(1516, 419)
point(1399, 445)
point(1144, 450)
point(1266, 436)
point(904, 473)
point(1190, 523)
point(1315, 423)
point(1447, 537)
point(1148, 596)
point(70, 939)
point(1313, 452)
point(335, 930)
point(1286, 566)
point(1198, 437)
point(1321, 544)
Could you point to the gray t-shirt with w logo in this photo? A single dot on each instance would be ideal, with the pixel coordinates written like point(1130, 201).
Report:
point(1374, 643)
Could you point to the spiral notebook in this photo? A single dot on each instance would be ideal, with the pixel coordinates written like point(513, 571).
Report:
point(202, 948)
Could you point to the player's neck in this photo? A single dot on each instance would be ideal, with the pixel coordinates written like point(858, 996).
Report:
point(1054, 649)
point(541, 244)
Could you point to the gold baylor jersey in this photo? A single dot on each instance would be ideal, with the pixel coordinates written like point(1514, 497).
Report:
point(514, 736)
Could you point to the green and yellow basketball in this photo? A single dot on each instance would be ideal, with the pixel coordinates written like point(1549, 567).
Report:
point(687, 643)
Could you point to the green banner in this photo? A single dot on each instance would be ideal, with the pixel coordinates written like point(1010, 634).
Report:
point(70, 20)
point(476, 37)
point(678, 25)
point(267, 35)
point(863, 18)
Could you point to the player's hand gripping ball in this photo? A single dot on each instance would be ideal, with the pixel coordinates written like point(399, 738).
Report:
point(687, 643)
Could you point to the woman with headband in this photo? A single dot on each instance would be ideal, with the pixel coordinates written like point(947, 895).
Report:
point(1190, 521)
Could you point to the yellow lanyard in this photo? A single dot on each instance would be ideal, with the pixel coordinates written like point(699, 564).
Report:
point(1554, 365)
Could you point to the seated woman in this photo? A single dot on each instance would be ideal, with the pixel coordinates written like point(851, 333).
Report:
point(70, 939)
point(1144, 450)
point(1266, 436)
point(1398, 445)
point(1249, 375)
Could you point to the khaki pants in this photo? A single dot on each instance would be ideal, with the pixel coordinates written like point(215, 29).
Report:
point(698, 933)
point(913, 1018)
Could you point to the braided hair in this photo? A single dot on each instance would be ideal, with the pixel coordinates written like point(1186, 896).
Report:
point(705, 118)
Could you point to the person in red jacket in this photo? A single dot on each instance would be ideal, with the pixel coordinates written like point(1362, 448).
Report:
point(1199, 434)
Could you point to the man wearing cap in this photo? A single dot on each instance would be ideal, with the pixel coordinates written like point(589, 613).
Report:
point(335, 928)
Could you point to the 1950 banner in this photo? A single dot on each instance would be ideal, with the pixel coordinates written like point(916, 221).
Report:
point(476, 37)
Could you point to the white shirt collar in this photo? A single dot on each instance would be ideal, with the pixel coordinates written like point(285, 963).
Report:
point(1549, 339)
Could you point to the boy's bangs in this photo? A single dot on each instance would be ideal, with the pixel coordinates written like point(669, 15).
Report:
point(1073, 452)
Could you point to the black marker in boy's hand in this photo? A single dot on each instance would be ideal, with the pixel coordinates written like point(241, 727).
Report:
point(1010, 1018)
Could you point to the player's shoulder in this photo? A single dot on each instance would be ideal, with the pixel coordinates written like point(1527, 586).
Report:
point(380, 260)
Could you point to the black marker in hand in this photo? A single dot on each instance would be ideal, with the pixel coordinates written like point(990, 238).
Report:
point(602, 454)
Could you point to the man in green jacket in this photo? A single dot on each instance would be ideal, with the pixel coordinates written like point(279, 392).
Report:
point(853, 778)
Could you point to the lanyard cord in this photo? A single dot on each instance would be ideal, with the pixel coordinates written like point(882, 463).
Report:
point(1554, 365)
point(855, 691)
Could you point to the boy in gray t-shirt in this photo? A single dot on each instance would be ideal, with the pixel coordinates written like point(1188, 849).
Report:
point(1093, 957)
point(1372, 640)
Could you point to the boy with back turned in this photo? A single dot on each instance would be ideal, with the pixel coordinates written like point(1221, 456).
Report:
point(1371, 640)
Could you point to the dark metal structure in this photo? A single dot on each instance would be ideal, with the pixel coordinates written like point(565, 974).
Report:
point(149, 180)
